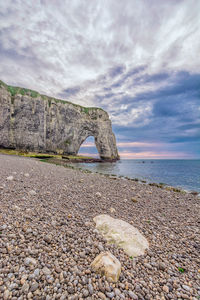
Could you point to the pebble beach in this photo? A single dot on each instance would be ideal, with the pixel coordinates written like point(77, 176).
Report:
point(48, 238)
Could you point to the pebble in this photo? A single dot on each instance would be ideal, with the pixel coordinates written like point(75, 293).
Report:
point(91, 289)
point(98, 195)
point(6, 294)
point(187, 288)
point(46, 271)
point(85, 292)
point(162, 266)
point(34, 287)
point(70, 289)
point(36, 272)
point(117, 292)
point(134, 200)
point(166, 289)
point(25, 287)
point(102, 296)
point(112, 210)
point(48, 239)
point(110, 295)
point(47, 243)
point(132, 295)
point(29, 261)
point(32, 193)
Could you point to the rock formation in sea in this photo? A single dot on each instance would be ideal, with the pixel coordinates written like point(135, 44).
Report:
point(34, 122)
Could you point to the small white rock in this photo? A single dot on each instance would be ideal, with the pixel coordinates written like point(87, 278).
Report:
point(10, 178)
point(6, 295)
point(16, 207)
point(107, 264)
point(46, 271)
point(26, 175)
point(32, 193)
point(187, 288)
point(29, 261)
point(117, 292)
point(132, 295)
point(25, 287)
point(36, 272)
point(166, 289)
point(98, 195)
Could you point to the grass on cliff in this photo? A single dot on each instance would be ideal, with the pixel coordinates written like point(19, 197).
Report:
point(15, 90)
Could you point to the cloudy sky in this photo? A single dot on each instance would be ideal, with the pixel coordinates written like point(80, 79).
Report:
point(137, 59)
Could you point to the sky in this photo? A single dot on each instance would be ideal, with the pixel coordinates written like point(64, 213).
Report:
point(137, 59)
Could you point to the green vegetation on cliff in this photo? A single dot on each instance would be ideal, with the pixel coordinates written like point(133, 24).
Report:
point(15, 90)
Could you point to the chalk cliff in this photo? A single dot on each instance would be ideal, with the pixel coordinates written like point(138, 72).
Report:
point(35, 122)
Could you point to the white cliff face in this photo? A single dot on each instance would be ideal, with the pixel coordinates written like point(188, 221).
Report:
point(50, 125)
point(122, 234)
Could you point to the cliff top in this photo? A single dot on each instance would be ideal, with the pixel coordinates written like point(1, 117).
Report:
point(15, 90)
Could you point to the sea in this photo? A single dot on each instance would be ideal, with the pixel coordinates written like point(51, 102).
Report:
point(183, 174)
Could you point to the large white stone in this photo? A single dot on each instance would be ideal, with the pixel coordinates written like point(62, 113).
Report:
point(122, 234)
point(107, 264)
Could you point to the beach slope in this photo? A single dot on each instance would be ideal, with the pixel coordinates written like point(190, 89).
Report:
point(48, 238)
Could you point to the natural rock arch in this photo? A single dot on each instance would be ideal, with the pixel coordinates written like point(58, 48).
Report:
point(88, 150)
point(43, 124)
point(100, 128)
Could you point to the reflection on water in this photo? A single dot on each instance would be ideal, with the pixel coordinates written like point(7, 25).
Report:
point(108, 168)
point(180, 173)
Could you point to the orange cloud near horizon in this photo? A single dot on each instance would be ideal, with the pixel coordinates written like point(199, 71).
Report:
point(138, 144)
point(89, 154)
point(147, 155)
point(126, 144)
point(154, 153)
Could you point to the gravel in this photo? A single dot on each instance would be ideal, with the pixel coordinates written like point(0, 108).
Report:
point(48, 238)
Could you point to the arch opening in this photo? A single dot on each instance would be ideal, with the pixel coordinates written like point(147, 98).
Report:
point(88, 148)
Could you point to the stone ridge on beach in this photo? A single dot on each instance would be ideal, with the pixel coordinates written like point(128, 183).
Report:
point(33, 122)
point(48, 238)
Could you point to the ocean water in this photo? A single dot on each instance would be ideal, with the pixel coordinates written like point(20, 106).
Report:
point(184, 174)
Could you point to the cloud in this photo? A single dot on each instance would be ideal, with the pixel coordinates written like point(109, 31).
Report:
point(144, 150)
point(144, 155)
point(124, 144)
point(144, 73)
point(154, 155)
point(116, 71)
point(69, 92)
point(80, 41)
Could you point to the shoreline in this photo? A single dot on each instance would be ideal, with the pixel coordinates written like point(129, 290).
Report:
point(73, 164)
point(47, 214)
point(68, 161)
